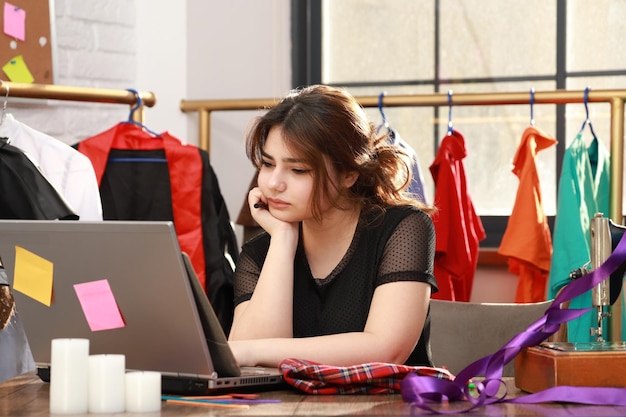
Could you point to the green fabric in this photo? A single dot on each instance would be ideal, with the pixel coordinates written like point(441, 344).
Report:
point(584, 189)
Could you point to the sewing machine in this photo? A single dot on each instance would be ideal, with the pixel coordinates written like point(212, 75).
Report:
point(605, 235)
point(599, 363)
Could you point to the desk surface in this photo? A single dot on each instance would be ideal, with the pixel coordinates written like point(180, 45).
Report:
point(27, 395)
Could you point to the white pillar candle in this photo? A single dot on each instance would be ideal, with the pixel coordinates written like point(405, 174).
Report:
point(106, 383)
point(143, 392)
point(69, 376)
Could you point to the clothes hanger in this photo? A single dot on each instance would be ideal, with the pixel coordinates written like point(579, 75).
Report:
point(142, 126)
point(6, 100)
point(390, 132)
point(450, 128)
point(138, 105)
point(384, 122)
point(587, 120)
point(532, 105)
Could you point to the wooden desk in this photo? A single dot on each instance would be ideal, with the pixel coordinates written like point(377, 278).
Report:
point(27, 395)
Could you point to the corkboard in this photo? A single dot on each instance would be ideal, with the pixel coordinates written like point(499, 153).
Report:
point(28, 59)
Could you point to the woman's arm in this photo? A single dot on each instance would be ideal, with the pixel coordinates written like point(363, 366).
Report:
point(269, 312)
point(394, 325)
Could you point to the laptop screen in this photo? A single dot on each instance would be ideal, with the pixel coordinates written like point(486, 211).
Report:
point(138, 265)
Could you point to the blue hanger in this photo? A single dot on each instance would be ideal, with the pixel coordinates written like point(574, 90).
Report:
point(585, 102)
point(532, 104)
point(384, 122)
point(141, 125)
point(134, 109)
point(450, 129)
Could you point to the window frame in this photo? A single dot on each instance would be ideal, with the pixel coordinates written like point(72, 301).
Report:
point(307, 55)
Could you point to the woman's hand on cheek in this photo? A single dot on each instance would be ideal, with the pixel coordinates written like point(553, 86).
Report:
point(262, 215)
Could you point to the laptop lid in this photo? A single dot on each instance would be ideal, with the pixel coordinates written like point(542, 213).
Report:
point(144, 268)
point(222, 356)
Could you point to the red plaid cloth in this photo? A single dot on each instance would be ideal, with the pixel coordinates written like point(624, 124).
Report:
point(367, 378)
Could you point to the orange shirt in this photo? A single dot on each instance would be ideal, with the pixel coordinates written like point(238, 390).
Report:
point(527, 240)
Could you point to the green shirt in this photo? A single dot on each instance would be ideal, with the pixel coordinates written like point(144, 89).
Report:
point(584, 189)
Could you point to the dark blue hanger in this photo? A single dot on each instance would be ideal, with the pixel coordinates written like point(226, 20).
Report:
point(450, 129)
point(384, 122)
point(141, 125)
point(134, 109)
point(532, 105)
point(587, 121)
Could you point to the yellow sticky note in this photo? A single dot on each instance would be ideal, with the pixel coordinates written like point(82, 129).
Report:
point(33, 276)
point(17, 70)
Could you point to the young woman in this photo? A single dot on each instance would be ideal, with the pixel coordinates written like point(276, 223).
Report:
point(344, 271)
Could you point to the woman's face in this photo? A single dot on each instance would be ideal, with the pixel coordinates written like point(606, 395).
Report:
point(285, 180)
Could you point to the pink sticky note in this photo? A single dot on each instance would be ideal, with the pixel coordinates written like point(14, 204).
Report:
point(14, 21)
point(99, 305)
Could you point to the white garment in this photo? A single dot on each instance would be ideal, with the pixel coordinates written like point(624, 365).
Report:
point(69, 171)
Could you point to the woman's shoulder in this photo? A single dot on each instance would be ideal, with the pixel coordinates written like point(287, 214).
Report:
point(387, 221)
point(406, 210)
point(399, 213)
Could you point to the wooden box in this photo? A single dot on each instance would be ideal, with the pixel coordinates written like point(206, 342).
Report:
point(545, 366)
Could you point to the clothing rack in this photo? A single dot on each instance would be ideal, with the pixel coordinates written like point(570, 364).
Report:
point(88, 94)
point(615, 98)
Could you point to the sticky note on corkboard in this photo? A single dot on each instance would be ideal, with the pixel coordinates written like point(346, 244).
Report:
point(26, 44)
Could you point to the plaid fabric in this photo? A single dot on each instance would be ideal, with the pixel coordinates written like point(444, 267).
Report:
point(368, 378)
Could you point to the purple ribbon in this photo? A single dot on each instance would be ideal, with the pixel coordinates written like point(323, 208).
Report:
point(422, 391)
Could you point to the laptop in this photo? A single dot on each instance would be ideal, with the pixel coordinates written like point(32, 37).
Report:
point(168, 324)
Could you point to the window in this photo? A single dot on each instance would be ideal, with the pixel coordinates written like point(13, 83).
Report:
point(470, 46)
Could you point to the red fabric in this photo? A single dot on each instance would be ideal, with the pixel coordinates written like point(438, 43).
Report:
point(527, 241)
point(368, 378)
point(457, 226)
point(444, 283)
point(185, 170)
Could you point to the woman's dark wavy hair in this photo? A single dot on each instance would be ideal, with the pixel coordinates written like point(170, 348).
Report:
point(326, 125)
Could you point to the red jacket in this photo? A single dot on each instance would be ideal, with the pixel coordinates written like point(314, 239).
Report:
point(163, 179)
point(457, 226)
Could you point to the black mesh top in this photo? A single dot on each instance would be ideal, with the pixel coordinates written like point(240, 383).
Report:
point(400, 247)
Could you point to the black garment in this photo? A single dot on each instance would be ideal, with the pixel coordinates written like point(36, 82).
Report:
point(136, 190)
point(400, 247)
point(24, 192)
point(142, 190)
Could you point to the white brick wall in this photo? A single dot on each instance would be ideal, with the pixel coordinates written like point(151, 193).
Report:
point(189, 49)
point(96, 46)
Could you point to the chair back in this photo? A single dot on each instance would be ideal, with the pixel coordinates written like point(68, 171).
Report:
point(461, 332)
